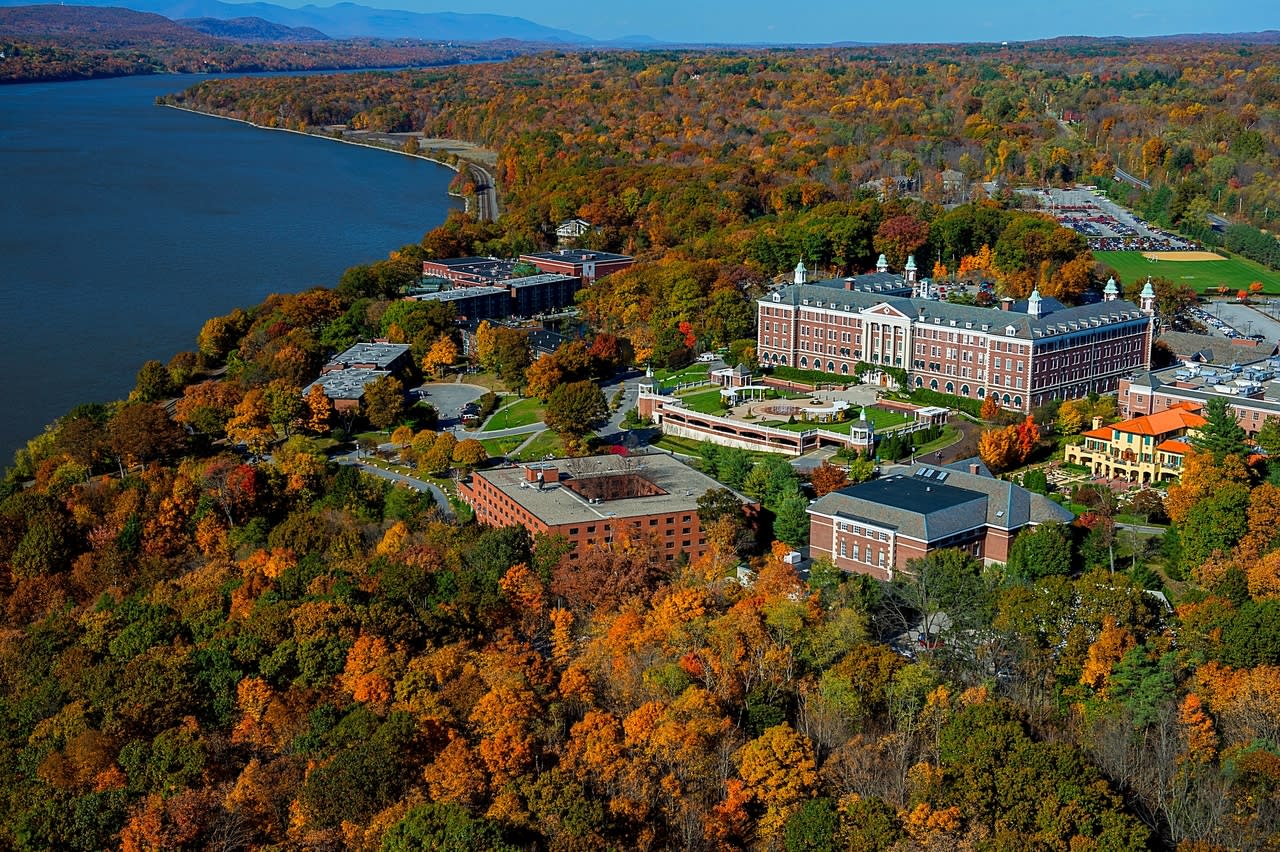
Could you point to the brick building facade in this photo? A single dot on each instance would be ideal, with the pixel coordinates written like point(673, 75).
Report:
point(597, 500)
point(1024, 355)
point(877, 527)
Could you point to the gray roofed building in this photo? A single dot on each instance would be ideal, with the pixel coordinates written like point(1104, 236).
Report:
point(877, 527)
point(1024, 354)
point(377, 355)
point(592, 500)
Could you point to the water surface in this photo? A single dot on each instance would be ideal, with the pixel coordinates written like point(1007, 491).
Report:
point(124, 225)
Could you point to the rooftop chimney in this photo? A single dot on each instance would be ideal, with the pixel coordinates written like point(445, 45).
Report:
point(1006, 304)
point(974, 468)
point(1097, 422)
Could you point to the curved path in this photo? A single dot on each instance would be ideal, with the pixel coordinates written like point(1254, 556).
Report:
point(442, 499)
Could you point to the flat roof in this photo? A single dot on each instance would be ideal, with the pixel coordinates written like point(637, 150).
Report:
point(346, 384)
point(459, 293)
point(379, 354)
point(540, 280)
point(556, 504)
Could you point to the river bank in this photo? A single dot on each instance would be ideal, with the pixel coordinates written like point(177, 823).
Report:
point(124, 230)
point(468, 154)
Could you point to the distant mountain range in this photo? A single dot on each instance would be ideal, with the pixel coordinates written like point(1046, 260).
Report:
point(351, 20)
point(76, 24)
point(252, 30)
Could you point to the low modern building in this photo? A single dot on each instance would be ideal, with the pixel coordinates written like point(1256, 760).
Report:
point(345, 376)
point(597, 500)
point(378, 355)
point(580, 263)
point(877, 527)
point(571, 229)
point(1252, 390)
point(1145, 449)
point(1023, 354)
point(345, 388)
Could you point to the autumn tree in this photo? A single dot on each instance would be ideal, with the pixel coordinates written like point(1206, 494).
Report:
point(153, 383)
point(572, 409)
point(442, 355)
point(826, 478)
point(469, 453)
point(319, 414)
point(998, 448)
point(384, 402)
point(139, 433)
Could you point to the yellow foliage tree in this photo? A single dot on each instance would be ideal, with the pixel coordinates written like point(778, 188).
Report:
point(1109, 648)
point(319, 411)
point(998, 448)
point(779, 771)
point(442, 355)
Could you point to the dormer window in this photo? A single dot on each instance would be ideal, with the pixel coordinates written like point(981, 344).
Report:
point(777, 297)
point(1010, 331)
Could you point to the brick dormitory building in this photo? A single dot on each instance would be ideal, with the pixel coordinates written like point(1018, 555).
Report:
point(597, 500)
point(1022, 353)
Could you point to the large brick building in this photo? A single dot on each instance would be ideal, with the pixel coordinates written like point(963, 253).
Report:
point(597, 500)
point(580, 263)
point(878, 526)
point(1023, 354)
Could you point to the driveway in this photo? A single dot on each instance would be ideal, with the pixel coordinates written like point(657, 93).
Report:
point(442, 499)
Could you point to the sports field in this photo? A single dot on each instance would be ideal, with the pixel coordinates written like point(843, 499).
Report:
point(1235, 273)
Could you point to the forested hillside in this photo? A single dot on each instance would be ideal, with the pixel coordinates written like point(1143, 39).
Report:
point(82, 42)
point(681, 150)
point(216, 637)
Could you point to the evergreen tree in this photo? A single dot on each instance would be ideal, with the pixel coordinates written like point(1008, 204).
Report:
point(1222, 435)
point(792, 524)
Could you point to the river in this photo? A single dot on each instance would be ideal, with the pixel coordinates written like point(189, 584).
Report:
point(125, 225)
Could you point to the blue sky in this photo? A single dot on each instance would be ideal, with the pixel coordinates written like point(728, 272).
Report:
point(826, 21)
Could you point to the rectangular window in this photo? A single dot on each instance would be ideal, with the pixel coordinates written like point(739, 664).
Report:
point(843, 549)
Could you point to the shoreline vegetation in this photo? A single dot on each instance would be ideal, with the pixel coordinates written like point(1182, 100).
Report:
point(438, 150)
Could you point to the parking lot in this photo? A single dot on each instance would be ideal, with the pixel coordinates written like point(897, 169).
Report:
point(1232, 319)
point(1106, 225)
point(448, 400)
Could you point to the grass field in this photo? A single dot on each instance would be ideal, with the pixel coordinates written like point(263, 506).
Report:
point(502, 446)
point(1235, 273)
point(521, 413)
point(703, 402)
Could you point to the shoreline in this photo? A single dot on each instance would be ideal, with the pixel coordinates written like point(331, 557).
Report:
point(456, 169)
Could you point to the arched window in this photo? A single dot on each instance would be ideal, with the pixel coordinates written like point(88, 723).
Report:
point(951, 387)
point(1017, 401)
point(964, 390)
point(933, 384)
point(919, 382)
point(844, 369)
point(1006, 399)
point(804, 362)
point(831, 366)
point(783, 360)
point(982, 393)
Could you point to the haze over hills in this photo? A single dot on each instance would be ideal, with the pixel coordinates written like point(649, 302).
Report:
point(252, 30)
point(351, 20)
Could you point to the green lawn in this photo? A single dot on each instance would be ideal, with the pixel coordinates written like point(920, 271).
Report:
point(521, 413)
point(502, 446)
point(692, 373)
point(547, 443)
point(1236, 273)
point(690, 447)
point(703, 402)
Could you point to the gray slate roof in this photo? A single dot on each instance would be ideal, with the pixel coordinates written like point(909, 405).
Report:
point(928, 503)
point(833, 295)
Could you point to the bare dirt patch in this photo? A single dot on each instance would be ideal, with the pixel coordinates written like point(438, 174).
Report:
point(1181, 255)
